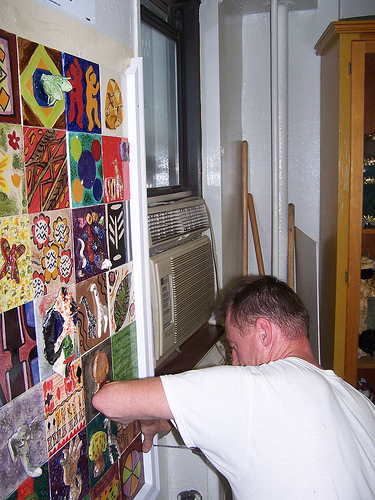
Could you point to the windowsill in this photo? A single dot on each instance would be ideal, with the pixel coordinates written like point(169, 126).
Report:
point(191, 351)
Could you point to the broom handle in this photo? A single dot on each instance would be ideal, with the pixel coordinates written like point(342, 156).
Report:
point(245, 223)
point(254, 227)
point(291, 243)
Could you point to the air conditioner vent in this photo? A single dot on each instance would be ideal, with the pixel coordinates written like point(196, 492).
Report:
point(193, 288)
point(176, 219)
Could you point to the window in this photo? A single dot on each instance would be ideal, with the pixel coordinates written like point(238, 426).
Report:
point(170, 50)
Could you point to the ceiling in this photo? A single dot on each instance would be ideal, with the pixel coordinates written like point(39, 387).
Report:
point(258, 6)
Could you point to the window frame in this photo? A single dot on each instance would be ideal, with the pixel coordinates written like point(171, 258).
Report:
point(181, 21)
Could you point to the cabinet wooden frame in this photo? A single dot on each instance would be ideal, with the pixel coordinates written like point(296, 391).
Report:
point(343, 47)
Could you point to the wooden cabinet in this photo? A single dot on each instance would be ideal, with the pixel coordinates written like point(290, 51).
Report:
point(347, 51)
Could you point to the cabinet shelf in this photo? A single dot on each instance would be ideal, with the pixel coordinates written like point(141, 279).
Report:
point(366, 362)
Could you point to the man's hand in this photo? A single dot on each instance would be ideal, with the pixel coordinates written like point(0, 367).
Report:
point(150, 428)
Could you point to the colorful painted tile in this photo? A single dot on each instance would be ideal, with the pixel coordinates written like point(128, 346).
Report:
point(12, 171)
point(93, 319)
point(126, 434)
point(103, 450)
point(109, 486)
point(131, 470)
point(114, 109)
point(9, 93)
point(18, 355)
point(121, 297)
point(83, 112)
point(117, 232)
point(46, 169)
point(56, 327)
point(69, 470)
point(125, 354)
point(51, 251)
point(97, 369)
point(22, 427)
point(86, 169)
point(115, 169)
point(15, 262)
point(36, 61)
point(64, 407)
point(90, 242)
point(33, 488)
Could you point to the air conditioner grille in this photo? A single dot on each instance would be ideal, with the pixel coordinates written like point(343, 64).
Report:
point(168, 224)
point(193, 289)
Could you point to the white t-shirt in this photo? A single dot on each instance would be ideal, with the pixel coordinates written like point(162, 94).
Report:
point(283, 430)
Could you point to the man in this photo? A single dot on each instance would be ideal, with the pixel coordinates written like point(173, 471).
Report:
point(275, 424)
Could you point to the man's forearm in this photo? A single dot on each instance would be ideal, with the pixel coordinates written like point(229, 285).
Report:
point(129, 400)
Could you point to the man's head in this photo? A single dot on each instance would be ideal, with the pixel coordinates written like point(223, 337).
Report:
point(254, 310)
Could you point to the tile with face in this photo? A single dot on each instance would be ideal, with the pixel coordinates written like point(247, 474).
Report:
point(12, 171)
point(64, 407)
point(115, 169)
point(23, 449)
point(15, 262)
point(51, 251)
point(9, 86)
point(93, 318)
point(121, 297)
point(83, 113)
point(69, 469)
point(114, 109)
point(56, 329)
point(19, 369)
point(125, 354)
point(86, 169)
point(45, 169)
point(36, 64)
point(97, 370)
point(90, 242)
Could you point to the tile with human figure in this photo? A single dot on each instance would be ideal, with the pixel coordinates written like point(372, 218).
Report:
point(83, 113)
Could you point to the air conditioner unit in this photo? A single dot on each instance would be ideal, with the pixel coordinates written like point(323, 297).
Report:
point(182, 273)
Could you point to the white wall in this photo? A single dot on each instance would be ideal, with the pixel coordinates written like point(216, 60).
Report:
point(221, 73)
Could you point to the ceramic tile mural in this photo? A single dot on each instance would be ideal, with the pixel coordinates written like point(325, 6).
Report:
point(67, 306)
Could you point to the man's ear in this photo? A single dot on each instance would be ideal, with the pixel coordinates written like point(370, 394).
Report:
point(264, 329)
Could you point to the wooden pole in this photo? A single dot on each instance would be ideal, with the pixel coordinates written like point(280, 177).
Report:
point(245, 223)
point(291, 245)
point(254, 227)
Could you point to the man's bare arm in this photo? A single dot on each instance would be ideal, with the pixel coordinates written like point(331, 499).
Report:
point(128, 400)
